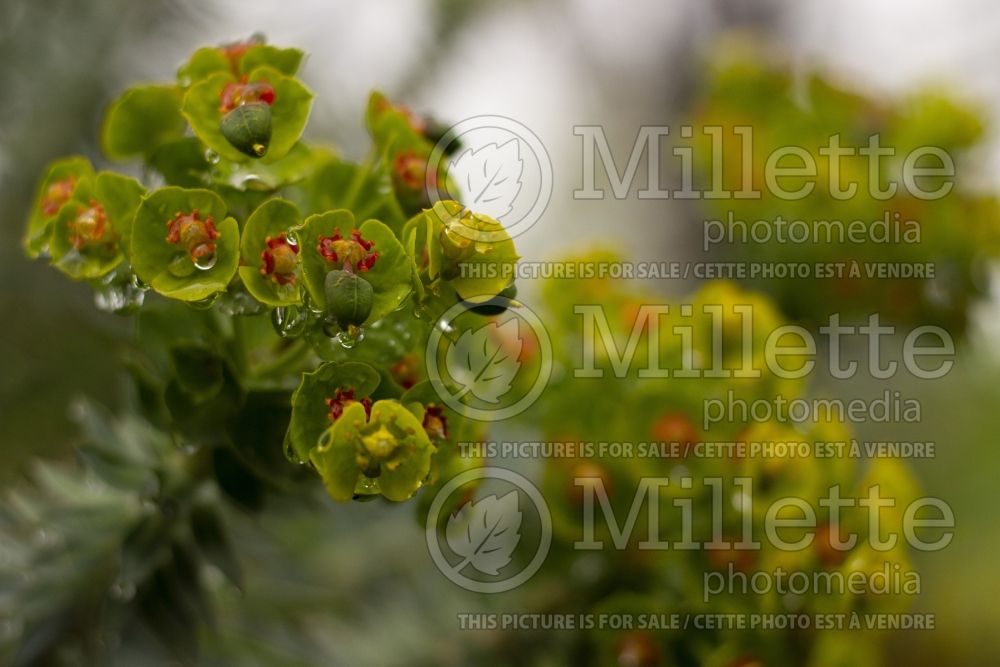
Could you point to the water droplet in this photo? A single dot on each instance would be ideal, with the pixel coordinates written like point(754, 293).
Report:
point(71, 260)
point(205, 262)
point(351, 337)
point(119, 297)
point(139, 283)
point(289, 321)
point(212, 157)
point(292, 238)
point(184, 81)
point(314, 310)
point(290, 451)
point(239, 302)
point(181, 265)
point(366, 488)
point(205, 303)
point(252, 182)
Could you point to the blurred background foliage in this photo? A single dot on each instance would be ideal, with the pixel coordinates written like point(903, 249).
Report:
point(313, 593)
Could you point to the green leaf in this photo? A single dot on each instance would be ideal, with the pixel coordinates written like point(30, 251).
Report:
point(140, 120)
point(181, 162)
point(392, 129)
point(50, 195)
point(310, 413)
point(391, 274)
point(335, 184)
point(286, 61)
point(257, 176)
point(120, 196)
point(289, 113)
point(204, 62)
point(160, 264)
point(335, 458)
point(272, 218)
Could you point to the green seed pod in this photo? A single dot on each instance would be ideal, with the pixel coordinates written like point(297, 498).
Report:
point(497, 305)
point(348, 298)
point(248, 128)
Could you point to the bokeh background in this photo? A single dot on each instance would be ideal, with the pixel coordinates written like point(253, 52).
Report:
point(551, 64)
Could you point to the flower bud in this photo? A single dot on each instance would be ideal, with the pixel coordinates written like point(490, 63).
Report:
point(348, 298)
point(248, 128)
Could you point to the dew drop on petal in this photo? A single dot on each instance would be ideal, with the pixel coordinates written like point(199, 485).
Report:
point(252, 182)
point(351, 337)
point(206, 303)
point(212, 157)
point(366, 488)
point(139, 283)
point(205, 262)
point(289, 321)
point(290, 451)
point(238, 301)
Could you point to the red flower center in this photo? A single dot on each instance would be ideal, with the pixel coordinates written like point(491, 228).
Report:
point(279, 260)
point(435, 422)
point(57, 194)
point(238, 93)
point(409, 170)
point(90, 227)
point(406, 371)
point(354, 252)
point(195, 235)
point(342, 399)
point(235, 51)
